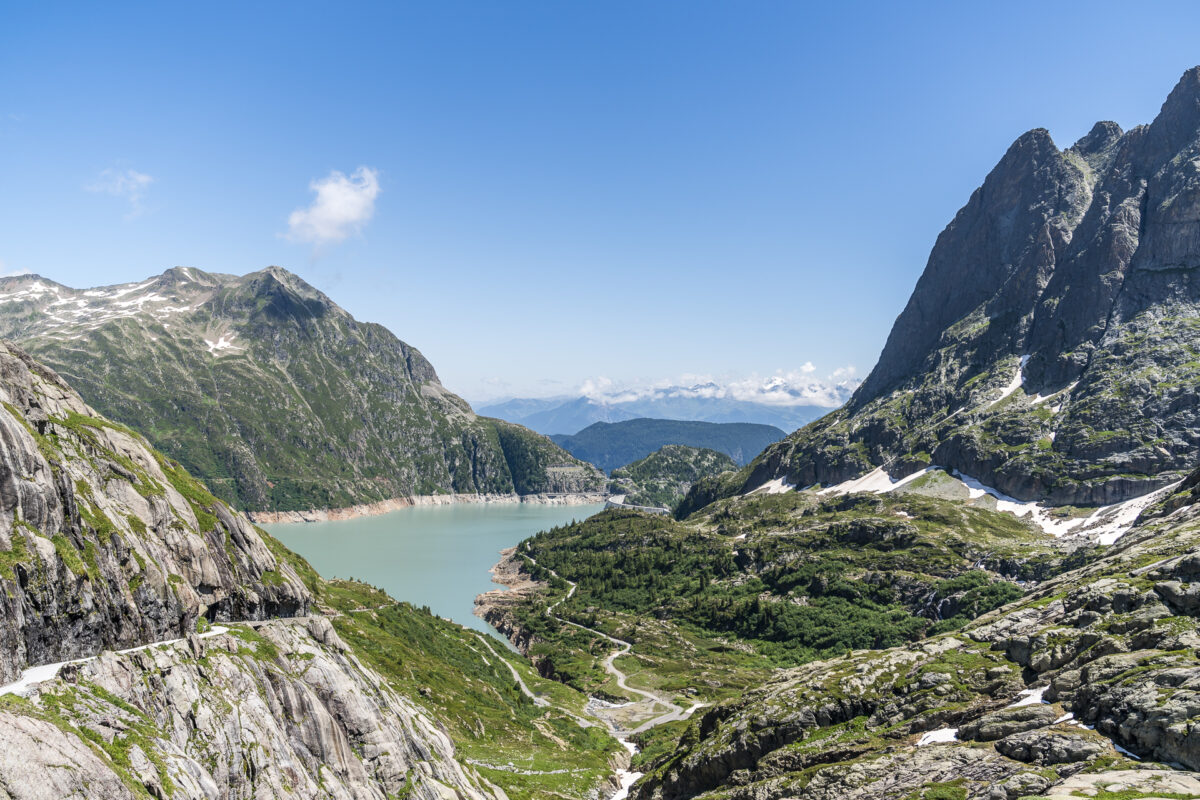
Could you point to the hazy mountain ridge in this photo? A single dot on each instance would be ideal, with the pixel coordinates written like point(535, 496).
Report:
point(1049, 348)
point(698, 402)
point(274, 395)
point(609, 445)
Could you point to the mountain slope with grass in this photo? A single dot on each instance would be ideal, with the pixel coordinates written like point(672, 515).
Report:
point(662, 478)
point(273, 395)
point(1087, 686)
point(881, 646)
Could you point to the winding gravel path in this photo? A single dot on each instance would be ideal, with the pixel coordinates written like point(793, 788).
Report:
point(674, 711)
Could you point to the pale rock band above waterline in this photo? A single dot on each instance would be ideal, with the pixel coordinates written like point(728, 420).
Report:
point(388, 506)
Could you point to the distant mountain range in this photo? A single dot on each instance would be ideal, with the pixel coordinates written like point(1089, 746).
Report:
point(705, 402)
point(609, 445)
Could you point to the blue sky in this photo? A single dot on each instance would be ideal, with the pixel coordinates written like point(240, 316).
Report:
point(553, 192)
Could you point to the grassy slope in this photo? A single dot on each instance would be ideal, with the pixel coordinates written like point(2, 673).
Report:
point(314, 409)
point(445, 668)
point(709, 611)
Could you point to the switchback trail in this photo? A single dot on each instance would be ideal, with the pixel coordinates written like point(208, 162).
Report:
point(673, 712)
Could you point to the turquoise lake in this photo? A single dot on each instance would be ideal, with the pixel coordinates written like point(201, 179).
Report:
point(436, 556)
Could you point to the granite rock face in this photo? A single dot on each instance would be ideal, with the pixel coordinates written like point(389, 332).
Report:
point(1049, 348)
point(277, 710)
point(105, 543)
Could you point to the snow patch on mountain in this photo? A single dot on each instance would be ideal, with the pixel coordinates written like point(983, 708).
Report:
point(224, 342)
point(1016, 383)
point(68, 314)
point(1104, 525)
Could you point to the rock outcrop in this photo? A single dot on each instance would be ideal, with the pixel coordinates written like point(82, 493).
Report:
point(105, 543)
point(1049, 347)
point(279, 709)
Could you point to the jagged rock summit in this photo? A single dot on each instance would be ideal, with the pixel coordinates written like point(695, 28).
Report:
point(277, 398)
point(1051, 349)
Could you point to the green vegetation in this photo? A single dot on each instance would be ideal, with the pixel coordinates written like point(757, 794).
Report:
point(68, 704)
point(468, 686)
point(199, 498)
point(945, 790)
point(311, 410)
point(765, 581)
point(665, 476)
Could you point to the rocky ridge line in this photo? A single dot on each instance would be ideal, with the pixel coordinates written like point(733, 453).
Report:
point(1049, 347)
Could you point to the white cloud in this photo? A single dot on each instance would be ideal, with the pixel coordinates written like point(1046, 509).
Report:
point(784, 388)
point(343, 205)
point(124, 183)
point(6, 272)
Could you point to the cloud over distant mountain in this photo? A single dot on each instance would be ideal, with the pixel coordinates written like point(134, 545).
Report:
point(128, 184)
point(790, 388)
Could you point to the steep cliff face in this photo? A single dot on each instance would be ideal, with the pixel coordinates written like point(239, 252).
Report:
point(1050, 347)
point(105, 543)
point(281, 709)
point(273, 395)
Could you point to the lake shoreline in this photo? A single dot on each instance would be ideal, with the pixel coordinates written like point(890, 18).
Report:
point(395, 504)
point(495, 607)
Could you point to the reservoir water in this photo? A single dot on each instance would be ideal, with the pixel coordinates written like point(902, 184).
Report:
point(436, 556)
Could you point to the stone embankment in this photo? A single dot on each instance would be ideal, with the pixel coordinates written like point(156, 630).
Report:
point(395, 504)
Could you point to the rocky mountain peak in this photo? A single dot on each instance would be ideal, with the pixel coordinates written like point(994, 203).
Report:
point(1099, 141)
point(1178, 122)
point(282, 296)
point(274, 275)
point(1048, 347)
point(998, 250)
point(1032, 145)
